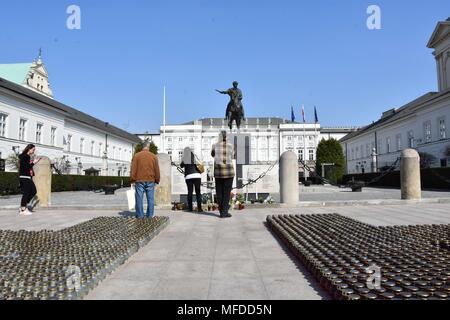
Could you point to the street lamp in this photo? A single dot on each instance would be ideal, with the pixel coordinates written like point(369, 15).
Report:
point(374, 160)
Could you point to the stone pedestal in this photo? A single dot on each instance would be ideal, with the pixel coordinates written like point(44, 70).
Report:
point(43, 181)
point(163, 191)
point(289, 189)
point(410, 175)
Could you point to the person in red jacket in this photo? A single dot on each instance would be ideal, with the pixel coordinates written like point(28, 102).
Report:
point(145, 176)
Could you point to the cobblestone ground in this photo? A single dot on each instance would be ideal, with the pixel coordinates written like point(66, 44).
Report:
point(204, 257)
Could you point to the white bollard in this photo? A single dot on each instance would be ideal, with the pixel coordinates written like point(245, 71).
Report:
point(410, 175)
point(289, 189)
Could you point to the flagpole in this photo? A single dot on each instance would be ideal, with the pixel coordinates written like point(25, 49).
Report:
point(164, 122)
point(304, 142)
point(315, 128)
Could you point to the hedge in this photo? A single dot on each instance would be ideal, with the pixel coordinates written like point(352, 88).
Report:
point(431, 178)
point(9, 183)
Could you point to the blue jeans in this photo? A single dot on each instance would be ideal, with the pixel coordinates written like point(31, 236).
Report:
point(149, 188)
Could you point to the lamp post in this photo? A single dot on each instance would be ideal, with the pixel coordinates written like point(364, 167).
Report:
point(374, 160)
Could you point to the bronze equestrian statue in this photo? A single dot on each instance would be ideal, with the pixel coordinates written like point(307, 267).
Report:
point(235, 110)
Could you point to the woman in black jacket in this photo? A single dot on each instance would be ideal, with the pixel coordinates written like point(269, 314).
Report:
point(26, 174)
point(193, 178)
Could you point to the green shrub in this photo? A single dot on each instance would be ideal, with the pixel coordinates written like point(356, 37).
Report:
point(330, 151)
point(431, 178)
point(9, 183)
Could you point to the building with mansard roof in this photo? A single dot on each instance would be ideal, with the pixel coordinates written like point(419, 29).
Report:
point(421, 124)
point(74, 140)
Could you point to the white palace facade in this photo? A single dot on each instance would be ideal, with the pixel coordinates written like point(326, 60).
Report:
point(30, 114)
point(268, 138)
point(421, 124)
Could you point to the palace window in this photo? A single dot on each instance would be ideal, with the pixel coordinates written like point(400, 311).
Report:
point(442, 128)
point(82, 145)
point(427, 131)
point(3, 124)
point(399, 142)
point(53, 136)
point(180, 155)
point(388, 144)
point(22, 129)
point(411, 139)
point(92, 147)
point(100, 149)
point(39, 127)
point(311, 155)
point(367, 150)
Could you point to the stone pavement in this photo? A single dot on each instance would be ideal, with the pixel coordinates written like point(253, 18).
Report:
point(310, 196)
point(204, 257)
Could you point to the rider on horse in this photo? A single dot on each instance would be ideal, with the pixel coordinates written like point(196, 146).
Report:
point(235, 110)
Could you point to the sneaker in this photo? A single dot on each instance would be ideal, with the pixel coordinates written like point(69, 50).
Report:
point(25, 212)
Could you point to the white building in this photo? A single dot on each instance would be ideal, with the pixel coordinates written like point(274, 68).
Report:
point(421, 124)
point(267, 138)
point(29, 114)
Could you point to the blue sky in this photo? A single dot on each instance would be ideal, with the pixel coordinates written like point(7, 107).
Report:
point(283, 53)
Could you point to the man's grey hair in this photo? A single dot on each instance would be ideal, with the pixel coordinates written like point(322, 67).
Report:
point(146, 144)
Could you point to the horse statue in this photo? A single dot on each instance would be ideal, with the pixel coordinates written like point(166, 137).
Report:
point(235, 110)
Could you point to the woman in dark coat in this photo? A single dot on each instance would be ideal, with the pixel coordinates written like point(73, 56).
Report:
point(26, 174)
point(193, 178)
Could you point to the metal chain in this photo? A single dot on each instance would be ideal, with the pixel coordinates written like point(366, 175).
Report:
point(324, 180)
point(389, 170)
point(208, 185)
point(439, 176)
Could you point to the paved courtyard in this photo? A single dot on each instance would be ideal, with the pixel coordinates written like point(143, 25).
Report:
point(315, 195)
point(204, 257)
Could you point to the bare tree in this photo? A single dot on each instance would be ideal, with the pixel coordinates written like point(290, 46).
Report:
point(12, 162)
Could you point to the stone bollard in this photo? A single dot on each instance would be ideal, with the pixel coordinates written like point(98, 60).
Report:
point(163, 191)
point(410, 175)
point(289, 190)
point(43, 181)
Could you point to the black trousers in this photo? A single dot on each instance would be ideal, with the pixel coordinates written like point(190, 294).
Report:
point(191, 183)
point(223, 190)
point(28, 191)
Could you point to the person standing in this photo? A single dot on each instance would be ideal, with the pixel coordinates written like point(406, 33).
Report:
point(223, 154)
point(145, 176)
point(26, 173)
point(193, 178)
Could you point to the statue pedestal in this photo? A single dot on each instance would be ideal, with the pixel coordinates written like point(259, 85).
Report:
point(163, 191)
point(43, 181)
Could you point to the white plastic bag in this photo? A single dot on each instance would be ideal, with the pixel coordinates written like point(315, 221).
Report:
point(131, 198)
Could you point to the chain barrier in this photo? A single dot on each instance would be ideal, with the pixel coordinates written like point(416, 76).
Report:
point(324, 180)
point(437, 175)
point(389, 170)
point(209, 184)
point(315, 174)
